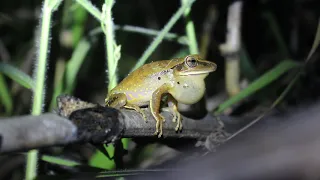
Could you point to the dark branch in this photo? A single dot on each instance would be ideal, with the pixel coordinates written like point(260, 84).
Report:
point(27, 132)
point(79, 121)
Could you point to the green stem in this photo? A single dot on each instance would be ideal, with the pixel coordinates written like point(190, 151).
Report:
point(40, 73)
point(161, 35)
point(42, 60)
point(190, 30)
point(108, 28)
point(90, 8)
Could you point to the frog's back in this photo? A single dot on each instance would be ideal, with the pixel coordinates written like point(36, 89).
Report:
point(141, 83)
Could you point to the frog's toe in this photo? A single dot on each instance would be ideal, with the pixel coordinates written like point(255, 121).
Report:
point(144, 116)
point(175, 117)
point(179, 126)
point(179, 122)
point(156, 132)
point(159, 124)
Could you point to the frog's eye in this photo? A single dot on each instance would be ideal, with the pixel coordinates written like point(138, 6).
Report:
point(191, 62)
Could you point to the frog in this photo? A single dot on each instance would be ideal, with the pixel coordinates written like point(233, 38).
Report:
point(180, 80)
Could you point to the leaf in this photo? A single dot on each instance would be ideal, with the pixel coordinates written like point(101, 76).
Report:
point(101, 161)
point(5, 96)
point(16, 75)
point(315, 42)
point(74, 64)
point(60, 161)
point(258, 84)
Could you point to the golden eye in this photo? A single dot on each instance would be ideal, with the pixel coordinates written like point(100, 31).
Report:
point(191, 62)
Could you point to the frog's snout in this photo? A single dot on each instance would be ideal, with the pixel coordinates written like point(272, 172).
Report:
point(213, 66)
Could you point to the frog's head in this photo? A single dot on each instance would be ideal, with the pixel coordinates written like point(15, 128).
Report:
point(194, 65)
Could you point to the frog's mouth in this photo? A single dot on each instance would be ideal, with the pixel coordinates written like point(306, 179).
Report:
point(195, 73)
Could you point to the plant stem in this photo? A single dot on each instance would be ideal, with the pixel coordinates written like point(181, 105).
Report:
point(90, 8)
point(40, 72)
point(190, 30)
point(107, 26)
point(161, 35)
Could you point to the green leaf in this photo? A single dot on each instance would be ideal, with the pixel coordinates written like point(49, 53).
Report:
point(315, 42)
point(261, 82)
point(16, 75)
point(60, 161)
point(59, 74)
point(5, 96)
point(74, 64)
point(101, 161)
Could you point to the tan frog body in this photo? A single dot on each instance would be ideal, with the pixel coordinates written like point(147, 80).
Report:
point(182, 79)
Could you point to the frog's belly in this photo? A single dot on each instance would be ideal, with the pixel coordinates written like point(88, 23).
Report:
point(140, 98)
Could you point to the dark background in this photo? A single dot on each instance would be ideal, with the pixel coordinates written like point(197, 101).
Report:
point(296, 20)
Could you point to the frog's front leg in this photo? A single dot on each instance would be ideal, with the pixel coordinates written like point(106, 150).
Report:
point(155, 107)
point(173, 107)
point(120, 100)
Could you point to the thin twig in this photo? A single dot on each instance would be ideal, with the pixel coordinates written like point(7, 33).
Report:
point(232, 47)
point(161, 35)
point(183, 40)
point(208, 25)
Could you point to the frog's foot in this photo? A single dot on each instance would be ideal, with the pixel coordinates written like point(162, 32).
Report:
point(177, 119)
point(138, 109)
point(173, 107)
point(155, 107)
point(176, 116)
point(159, 124)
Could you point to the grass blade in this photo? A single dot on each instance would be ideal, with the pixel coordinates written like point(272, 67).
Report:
point(59, 75)
point(5, 96)
point(16, 75)
point(193, 45)
point(261, 82)
point(315, 42)
point(161, 35)
point(73, 66)
point(60, 161)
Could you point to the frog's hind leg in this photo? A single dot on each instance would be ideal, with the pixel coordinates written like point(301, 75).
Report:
point(120, 100)
point(136, 108)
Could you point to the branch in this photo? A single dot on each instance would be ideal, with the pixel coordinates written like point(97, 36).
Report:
point(29, 132)
point(134, 126)
point(79, 121)
point(284, 146)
